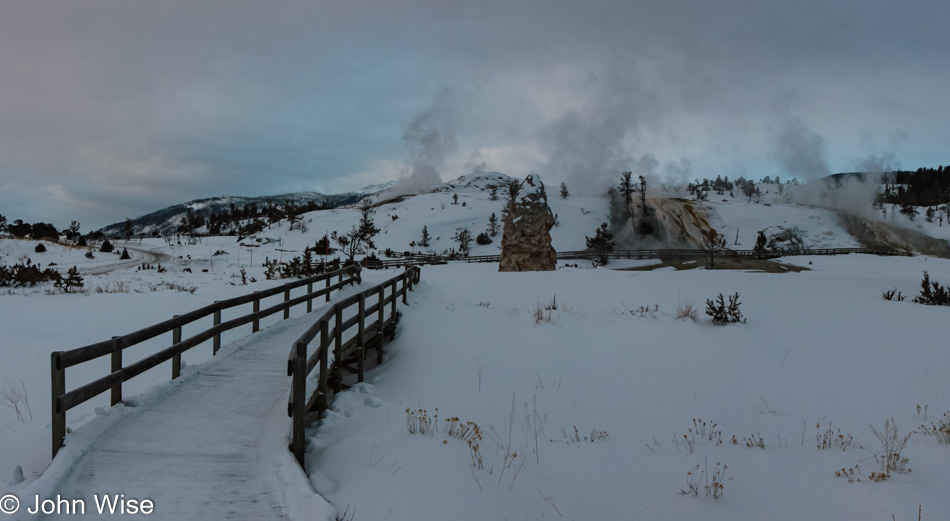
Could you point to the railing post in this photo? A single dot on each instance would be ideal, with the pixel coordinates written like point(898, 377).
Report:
point(286, 299)
point(257, 309)
point(300, 401)
point(309, 300)
point(360, 340)
point(393, 304)
point(217, 336)
point(322, 383)
point(176, 360)
point(404, 286)
point(116, 366)
point(409, 277)
point(381, 324)
point(328, 289)
point(57, 389)
point(337, 348)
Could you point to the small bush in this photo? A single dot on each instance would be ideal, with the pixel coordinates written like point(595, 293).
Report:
point(106, 247)
point(834, 439)
point(932, 293)
point(891, 460)
point(40, 248)
point(893, 294)
point(722, 313)
point(483, 239)
point(687, 310)
point(125, 255)
point(699, 478)
point(940, 430)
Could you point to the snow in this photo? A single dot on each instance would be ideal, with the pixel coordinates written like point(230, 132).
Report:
point(820, 347)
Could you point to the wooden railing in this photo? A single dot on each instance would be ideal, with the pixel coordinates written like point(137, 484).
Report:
point(404, 259)
point(61, 360)
point(346, 331)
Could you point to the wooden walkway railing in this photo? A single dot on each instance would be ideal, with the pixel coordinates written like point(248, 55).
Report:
point(346, 331)
point(407, 259)
point(63, 400)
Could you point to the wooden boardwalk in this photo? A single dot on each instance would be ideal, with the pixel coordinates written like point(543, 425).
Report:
point(214, 446)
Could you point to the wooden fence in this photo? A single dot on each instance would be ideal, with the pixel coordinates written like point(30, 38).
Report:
point(346, 331)
point(62, 360)
point(406, 259)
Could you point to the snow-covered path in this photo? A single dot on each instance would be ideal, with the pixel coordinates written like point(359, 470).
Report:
point(212, 447)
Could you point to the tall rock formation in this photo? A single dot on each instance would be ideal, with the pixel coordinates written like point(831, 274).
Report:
point(526, 238)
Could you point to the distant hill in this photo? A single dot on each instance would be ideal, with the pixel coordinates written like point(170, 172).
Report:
point(166, 221)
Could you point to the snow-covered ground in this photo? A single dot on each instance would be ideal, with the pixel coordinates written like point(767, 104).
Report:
point(820, 348)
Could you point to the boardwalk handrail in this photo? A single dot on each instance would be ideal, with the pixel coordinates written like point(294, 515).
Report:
point(62, 400)
point(332, 329)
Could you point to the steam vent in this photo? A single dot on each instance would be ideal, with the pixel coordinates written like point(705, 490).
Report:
point(526, 238)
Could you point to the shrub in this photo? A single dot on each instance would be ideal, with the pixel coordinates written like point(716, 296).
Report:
point(686, 310)
point(125, 255)
point(932, 293)
point(699, 478)
point(893, 294)
point(40, 248)
point(72, 280)
point(940, 430)
point(106, 247)
point(483, 239)
point(891, 461)
point(722, 313)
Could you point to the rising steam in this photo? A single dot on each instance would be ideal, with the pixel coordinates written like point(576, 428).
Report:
point(429, 138)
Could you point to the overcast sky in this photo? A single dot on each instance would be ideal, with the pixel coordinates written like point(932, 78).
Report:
point(113, 109)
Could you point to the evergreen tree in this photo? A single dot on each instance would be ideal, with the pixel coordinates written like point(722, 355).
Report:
point(424, 243)
point(626, 188)
point(492, 225)
point(127, 231)
point(3, 224)
point(602, 242)
point(106, 247)
point(564, 192)
point(464, 238)
point(643, 193)
point(492, 194)
point(72, 280)
point(367, 228)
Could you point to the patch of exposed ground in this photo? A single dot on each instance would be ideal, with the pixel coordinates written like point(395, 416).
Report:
point(876, 234)
point(724, 263)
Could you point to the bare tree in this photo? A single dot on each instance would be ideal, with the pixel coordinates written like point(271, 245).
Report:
point(713, 241)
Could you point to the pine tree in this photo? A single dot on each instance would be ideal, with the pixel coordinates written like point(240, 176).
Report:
point(643, 193)
point(626, 188)
point(424, 243)
point(492, 225)
point(492, 194)
point(564, 192)
point(602, 242)
point(367, 228)
point(464, 238)
point(72, 280)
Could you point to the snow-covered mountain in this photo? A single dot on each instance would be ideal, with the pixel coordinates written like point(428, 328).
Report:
point(166, 220)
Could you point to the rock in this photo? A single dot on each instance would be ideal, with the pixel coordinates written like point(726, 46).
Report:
point(15, 476)
point(526, 237)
